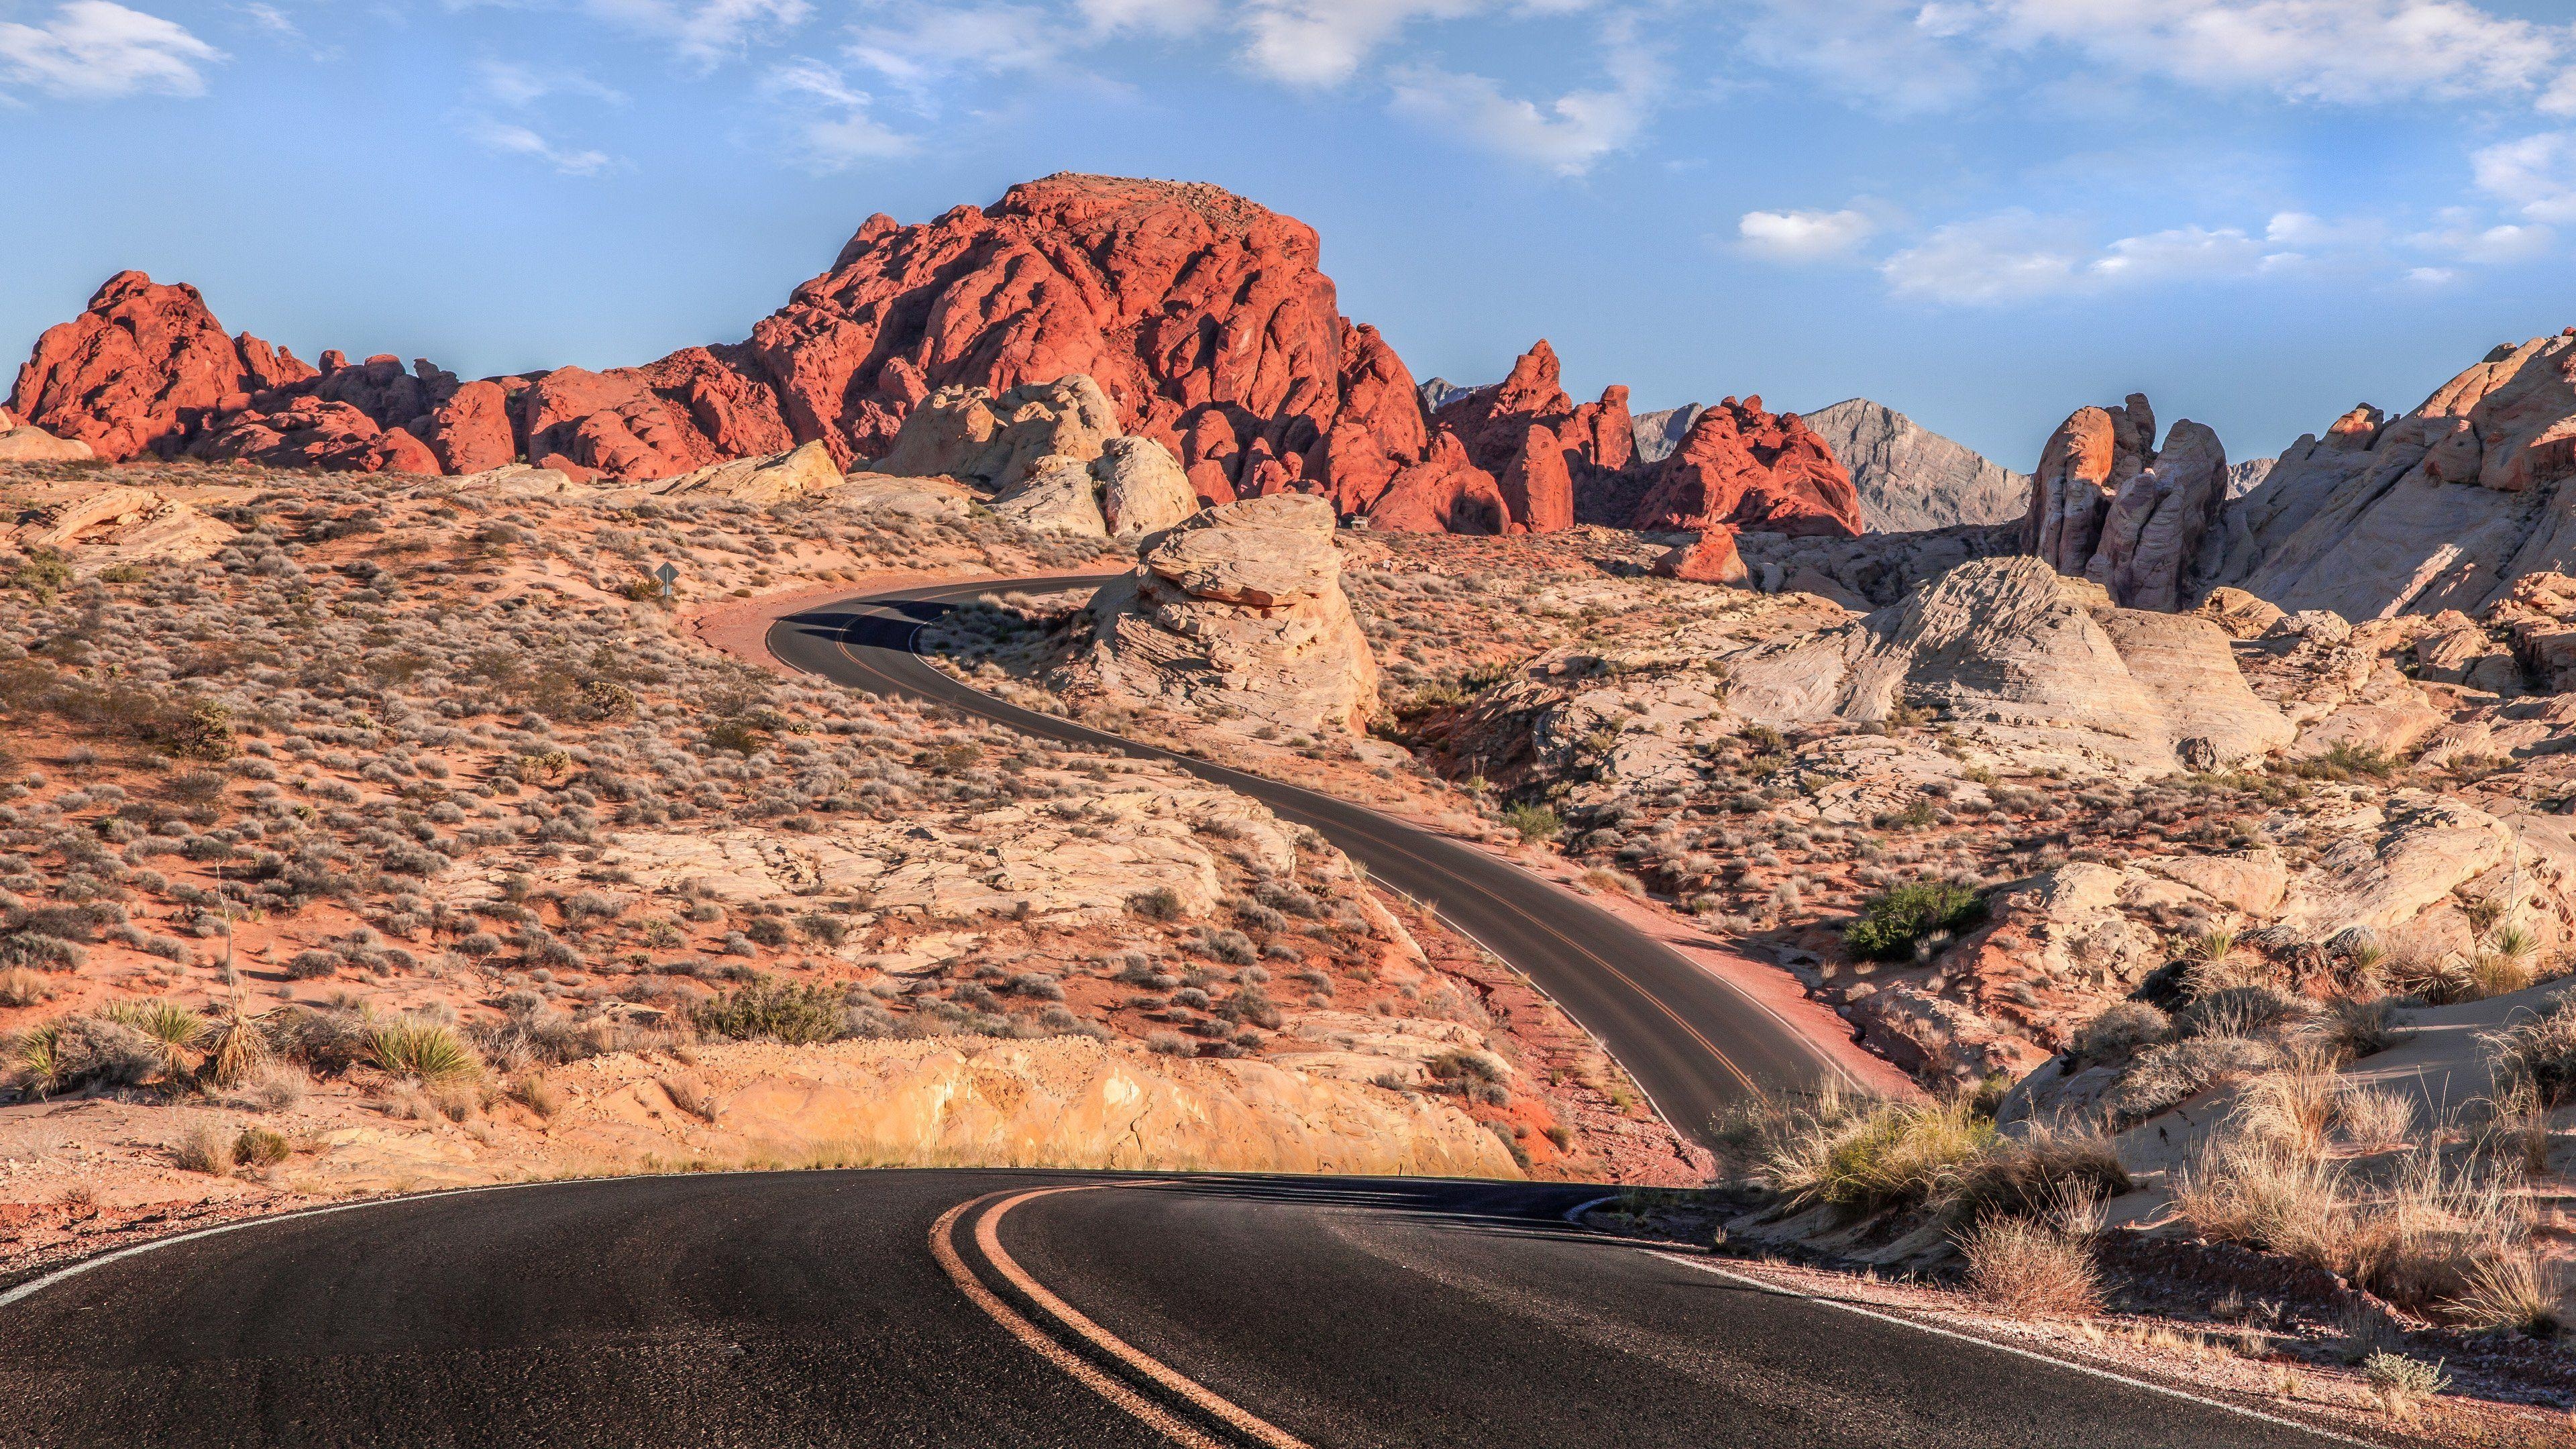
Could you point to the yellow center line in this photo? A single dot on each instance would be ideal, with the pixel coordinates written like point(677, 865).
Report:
point(1153, 1415)
point(988, 1238)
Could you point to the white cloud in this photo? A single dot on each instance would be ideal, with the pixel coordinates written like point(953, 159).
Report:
point(1897, 56)
point(2537, 174)
point(2184, 251)
point(2432, 276)
point(1802, 236)
point(2355, 51)
point(828, 121)
point(97, 50)
point(1323, 42)
point(515, 85)
point(1567, 133)
point(2012, 257)
point(1169, 17)
point(512, 139)
point(2460, 234)
point(2016, 256)
point(706, 32)
point(1907, 56)
point(928, 42)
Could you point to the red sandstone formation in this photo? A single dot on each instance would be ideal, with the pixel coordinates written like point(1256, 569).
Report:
point(1202, 316)
point(1711, 558)
point(145, 363)
point(1444, 493)
point(1751, 469)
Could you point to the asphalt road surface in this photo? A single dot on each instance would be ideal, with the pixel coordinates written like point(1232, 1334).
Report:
point(1690, 1039)
point(947, 1308)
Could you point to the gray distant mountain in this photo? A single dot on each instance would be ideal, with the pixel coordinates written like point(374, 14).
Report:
point(1909, 477)
point(2245, 477)
point(1439, 392)
point(1659, 433)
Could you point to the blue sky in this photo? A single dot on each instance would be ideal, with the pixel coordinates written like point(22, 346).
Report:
point(1982, 212)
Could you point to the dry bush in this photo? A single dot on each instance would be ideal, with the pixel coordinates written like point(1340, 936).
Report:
point(2375, 1119)
point(2029, 1267)
point(2521, 1291)
point(205, 1148)
point(2037, 1174)
point(1868, 1155)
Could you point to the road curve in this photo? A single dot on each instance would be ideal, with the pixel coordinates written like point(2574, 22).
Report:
point(781, 1310)
point(1693, 1041)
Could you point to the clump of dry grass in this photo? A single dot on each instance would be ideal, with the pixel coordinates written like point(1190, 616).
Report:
point(205, 1148)
point(2038, 1266)
point(1868, 1154)
point(2418, 1239)
point(2520, 1292)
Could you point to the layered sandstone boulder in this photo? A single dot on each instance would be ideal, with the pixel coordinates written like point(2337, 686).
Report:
point(797, 473)
point(142, 368)
point(2108, 505)
point(2023, 662)
point(28, 444)
point(995, 440)
point(1710, 558)
point(1444, 493)
point(106, 527)
point(1237, 614)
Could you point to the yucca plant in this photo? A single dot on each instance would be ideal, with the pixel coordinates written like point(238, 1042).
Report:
point(238, 1048)
point(175, 1030)
point(40, 1059)
point(421, 1049)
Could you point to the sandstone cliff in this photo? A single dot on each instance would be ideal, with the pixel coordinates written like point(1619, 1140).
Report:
point(2442, 508)
point(2108, 505)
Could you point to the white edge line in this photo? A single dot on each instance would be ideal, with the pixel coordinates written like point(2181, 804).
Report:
point(2036, 1357)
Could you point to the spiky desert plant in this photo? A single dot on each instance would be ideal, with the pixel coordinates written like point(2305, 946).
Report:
point(174, 1030)
point(422, 1049)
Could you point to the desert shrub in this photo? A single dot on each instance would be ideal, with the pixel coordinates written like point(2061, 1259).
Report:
point(2120, 1031)
point(1892, 922)
point(22, 987)
point(204, 1148)
point(425, 1050)
point(261, 1147)
point(2540, 1053)
point(1162, 903)
point(2036, 1174)
point(73, 1052)
point(1878, 1155)
point(796, 1014)
point(2517, 1291)
point(2355, 1027)
point(2027, 1266)
point(1533, 822)
point(2402, 1383)
point(2163, 1076)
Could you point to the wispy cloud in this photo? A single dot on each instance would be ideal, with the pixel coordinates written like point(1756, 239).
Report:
point(829, 124)
point(510, 138)
point(98, 50)
point(2536, 175)
point(706, 32)
point(1803, 236)
point(1565, 133)
point(518, 86)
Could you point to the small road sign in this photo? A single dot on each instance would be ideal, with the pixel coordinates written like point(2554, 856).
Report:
point(668, 575)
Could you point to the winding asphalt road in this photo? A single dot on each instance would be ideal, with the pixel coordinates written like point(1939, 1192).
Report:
point(1693, 1041)
point(1026, 1310)
point(1005, 1309)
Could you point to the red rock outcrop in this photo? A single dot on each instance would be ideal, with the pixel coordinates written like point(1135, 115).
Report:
point(1444, 493)
point(1202, 316)
point(145, 367)
point(1749, 469)
point(1711, 558)
point(1536, 487)
point(2107, 504)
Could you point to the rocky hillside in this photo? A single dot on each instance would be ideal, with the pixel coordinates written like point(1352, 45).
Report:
point(399, 829)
